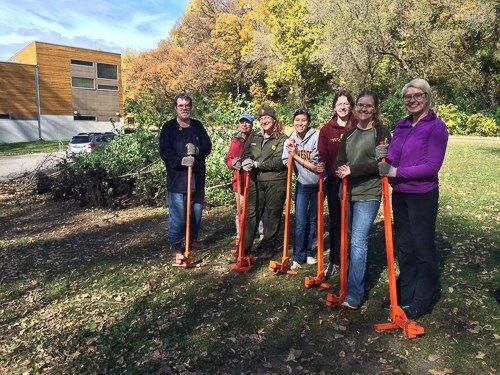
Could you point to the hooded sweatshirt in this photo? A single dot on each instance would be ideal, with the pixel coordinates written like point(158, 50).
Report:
point(307, 149)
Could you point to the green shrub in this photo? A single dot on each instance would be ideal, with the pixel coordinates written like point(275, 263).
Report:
point(218, 179)
point(392, 109)
point(480, 124)
point(222, 111)
point(461, 123)
point(130, 170)
point(454, 119)
point(322, 110)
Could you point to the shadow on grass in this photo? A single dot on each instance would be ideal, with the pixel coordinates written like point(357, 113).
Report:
point(207, 320)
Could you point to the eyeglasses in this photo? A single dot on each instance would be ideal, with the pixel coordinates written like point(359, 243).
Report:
point(183, 105)
point(365, 106)
point(302, 111)
point(340, 105)
point(419, 96)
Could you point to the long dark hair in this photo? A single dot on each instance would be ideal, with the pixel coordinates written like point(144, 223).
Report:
point(373, 94)
point(350, 99)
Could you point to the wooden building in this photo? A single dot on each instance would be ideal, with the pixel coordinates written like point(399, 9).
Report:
point(50, 91)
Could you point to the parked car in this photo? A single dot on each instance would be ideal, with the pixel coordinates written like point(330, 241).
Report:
point(87, 142)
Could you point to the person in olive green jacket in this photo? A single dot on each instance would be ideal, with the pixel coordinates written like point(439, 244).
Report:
point(262, 157)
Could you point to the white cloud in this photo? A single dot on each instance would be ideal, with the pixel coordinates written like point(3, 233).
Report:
point(112, 25)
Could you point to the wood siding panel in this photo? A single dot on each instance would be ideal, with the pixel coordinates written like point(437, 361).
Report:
point(17, 90)
point(27, 55)
point(57, 97)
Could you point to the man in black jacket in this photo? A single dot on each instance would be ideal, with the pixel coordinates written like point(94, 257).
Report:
point(184, 142)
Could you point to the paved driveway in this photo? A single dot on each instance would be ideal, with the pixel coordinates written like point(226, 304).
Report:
point(15, 166)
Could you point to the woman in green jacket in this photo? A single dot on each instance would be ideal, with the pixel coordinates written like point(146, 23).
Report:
point(267, 192)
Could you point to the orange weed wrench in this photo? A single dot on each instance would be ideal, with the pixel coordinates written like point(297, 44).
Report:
point(332, 299)
point(243, 262)
point(397, 317)
point(283, 266)
point(184, 260)
point(319, 279)
point(239, 212)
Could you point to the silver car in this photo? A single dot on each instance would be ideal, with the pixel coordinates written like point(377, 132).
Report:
point(87, 142)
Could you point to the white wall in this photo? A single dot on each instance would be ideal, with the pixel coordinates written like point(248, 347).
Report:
point(52, 128)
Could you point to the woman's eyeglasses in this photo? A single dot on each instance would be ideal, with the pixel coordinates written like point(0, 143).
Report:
point(419, 96)
point(365, 106)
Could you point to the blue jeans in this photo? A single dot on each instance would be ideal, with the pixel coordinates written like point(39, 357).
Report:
point(361, 217)
point(177, 216)
point(306, 216)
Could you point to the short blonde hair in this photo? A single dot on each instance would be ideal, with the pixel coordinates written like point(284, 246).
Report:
point(422, 84)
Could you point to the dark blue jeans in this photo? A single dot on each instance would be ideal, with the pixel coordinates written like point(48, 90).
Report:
point(177, 216)
point(306, 221)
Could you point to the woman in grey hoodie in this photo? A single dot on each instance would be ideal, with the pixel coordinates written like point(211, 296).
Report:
point(303, 146)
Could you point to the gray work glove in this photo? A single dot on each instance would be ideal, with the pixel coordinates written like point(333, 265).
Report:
point(381, 151)
point(236, 163)
point(192, 149)
point(187, 161)
point(247, 165)
point(385, 169)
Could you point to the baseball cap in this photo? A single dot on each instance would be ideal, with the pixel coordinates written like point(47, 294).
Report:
point(247, 117)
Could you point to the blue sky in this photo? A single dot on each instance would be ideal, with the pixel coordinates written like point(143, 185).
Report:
point(110, 25)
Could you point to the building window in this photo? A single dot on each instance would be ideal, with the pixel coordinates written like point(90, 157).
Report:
point(83, 83)
point(81, 62)
point(107, 71)
point(84, 118)
point(107, 87)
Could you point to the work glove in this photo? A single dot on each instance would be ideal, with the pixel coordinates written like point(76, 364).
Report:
point(381, 151)
point(385, 169)
point(192, 149)
point(247, 165)
point(187, 161)
point(236, 163)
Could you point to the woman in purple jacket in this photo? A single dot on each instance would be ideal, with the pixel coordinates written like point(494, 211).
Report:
point(414, 158)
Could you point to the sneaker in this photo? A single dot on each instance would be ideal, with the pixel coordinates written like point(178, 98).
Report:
point(331, 270)
point(295, 266)
point(350, 305)
point(198, 246)
point(311, 260)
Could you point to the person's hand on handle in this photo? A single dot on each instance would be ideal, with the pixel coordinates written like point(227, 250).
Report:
point(343, 171)
point(385, 169)
point(192, 149)
point(248, 164)
point(187, 161)
point(320, 167)
point(236, 163)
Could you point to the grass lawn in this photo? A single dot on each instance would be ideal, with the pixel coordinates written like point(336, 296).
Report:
point(91, 291)
point(20, 148)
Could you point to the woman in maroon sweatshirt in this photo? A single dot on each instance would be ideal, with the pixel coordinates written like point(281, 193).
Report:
point(328, 148)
